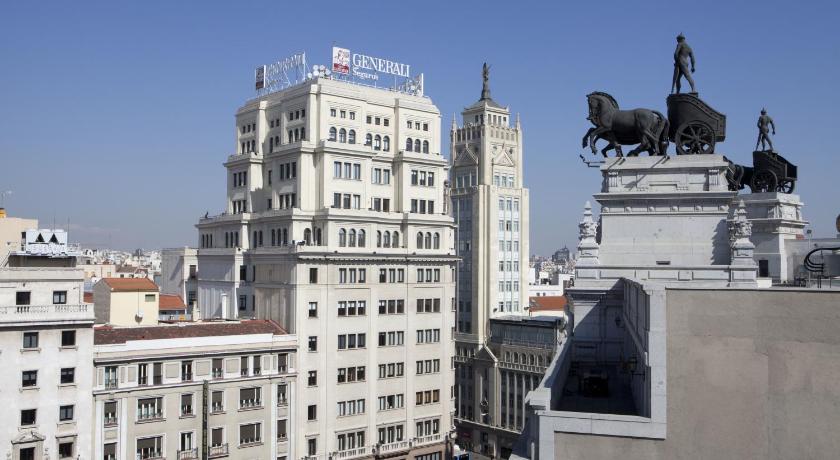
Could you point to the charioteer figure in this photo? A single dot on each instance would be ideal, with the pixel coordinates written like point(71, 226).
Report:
point(764, 124)
point(682, 56)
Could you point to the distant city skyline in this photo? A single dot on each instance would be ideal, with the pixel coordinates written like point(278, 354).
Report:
point(116, 118)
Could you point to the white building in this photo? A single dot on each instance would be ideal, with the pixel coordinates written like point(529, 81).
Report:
point(46, 338)
point(336, 227)
point(179, 274)
point(490, 206)
point(156, 387)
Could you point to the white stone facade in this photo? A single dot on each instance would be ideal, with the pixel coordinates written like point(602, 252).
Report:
point(46, 338)
point(336, 227)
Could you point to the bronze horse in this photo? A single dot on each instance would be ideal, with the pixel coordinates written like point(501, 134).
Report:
point(645, 127)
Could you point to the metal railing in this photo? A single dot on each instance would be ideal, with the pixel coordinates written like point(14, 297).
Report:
point(249, 403)
point(282, 402)
point(110, 384)
point(111, 420)
point(432, 438)
point(218, 451)
point(150, 416)
point(188, 454)
point(155, 455)
point(351, 453)
point(216, 407)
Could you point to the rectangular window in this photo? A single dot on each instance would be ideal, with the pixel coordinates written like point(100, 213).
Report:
point(313, 275)
point(22, 297)
point(68, 375)
point(187, 404)
point(59, 297)
point(28, 417)
point(29, 379)
point(313, 309)
point(250, 433)
point(313, 343)
point(30, 340)
point(312, 412)
point(150, 297)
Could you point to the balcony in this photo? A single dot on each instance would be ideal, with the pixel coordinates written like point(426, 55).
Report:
point(430, 439)
point(150, 416)
point(218, 451)
point(147, 455)
point(393, 447)
point(249, 403)
point(352, 453)
point(188, 454)
point(111, 384)
point(218, 373)
point(215, 408)
point(46, 313)
point(111, 421)
point(282, 402)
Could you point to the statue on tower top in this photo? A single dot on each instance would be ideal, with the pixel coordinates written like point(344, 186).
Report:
point(485, 75)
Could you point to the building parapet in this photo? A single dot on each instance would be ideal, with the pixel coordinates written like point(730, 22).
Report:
point(46, 313)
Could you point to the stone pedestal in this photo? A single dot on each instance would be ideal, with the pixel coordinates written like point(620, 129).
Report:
point(775, 218)
point(663, 219)
point(665, 211)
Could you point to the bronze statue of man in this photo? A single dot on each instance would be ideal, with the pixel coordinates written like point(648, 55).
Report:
point(682, 56)
point(763, 122)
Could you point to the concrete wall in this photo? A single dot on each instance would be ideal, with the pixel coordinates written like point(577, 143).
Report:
point(752, 374)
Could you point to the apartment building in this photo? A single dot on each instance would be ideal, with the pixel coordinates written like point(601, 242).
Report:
point(158, 388)
point(337, 227)
point(46, 341)
point(126, 301)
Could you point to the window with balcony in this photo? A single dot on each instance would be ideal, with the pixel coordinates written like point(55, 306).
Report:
point(59, 297)
point(243, 366)
point(218, 370)
point(23, 297)
point(150, 448)
point(257, 364)
point(282, 394)
point(349, 441)
point(150, 408)
point(250, 397)
point(110, 451)
point(282, 362)
point(110, 413)
point(187, 405)
point(110, 377)
point(217, 401)
point(391, 434)
point(250, 433)
point(186, 371)
point(282, 432)
point(186, 446)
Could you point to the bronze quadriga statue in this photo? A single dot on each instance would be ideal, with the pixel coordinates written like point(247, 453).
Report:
point(645, 127)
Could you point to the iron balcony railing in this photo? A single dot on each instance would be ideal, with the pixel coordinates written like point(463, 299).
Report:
point(188, 454)
point(220, 450)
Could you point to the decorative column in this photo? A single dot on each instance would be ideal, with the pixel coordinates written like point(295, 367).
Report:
point(743, 267)
point(587, 261)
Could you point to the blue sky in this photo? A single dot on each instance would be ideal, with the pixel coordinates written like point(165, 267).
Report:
point(116, 116)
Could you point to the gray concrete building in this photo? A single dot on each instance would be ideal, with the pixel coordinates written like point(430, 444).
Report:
point(674, 351)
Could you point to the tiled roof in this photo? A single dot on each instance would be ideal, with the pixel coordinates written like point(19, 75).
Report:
point(170, 302)
point(109, 335)
point(546, 303)
point(130, 284)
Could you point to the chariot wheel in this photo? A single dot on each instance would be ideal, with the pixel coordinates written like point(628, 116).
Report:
point(764, 181)
point(694, 138)
point(785, 186)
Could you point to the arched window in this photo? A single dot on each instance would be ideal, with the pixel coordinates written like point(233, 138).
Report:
point(332, 134)
point(531, 360)
point(408, 144)
point(437, 240)
point(395, 240)
point(386, 143)
point(352, 239)
point(317, 236)
point(387, 242)
point(417, 145)
point(377, 142)
point(303, 134)
point(273, 237)
point(419, 240)
point(379, 239)
point(425, 146)
point(361, 238)
point(342, 135)
point(428, 240)
point(515, 358)
point(285, 236)
point(522, 358)
point(351, 138)
point(540, 360)
point(297, 135)
point(307, 236)
point(368, 140)
point(342, 238)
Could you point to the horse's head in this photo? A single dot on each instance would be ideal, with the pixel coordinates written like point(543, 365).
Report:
point(599, 104)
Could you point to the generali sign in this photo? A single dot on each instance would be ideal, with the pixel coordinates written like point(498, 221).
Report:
point(364, 66)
